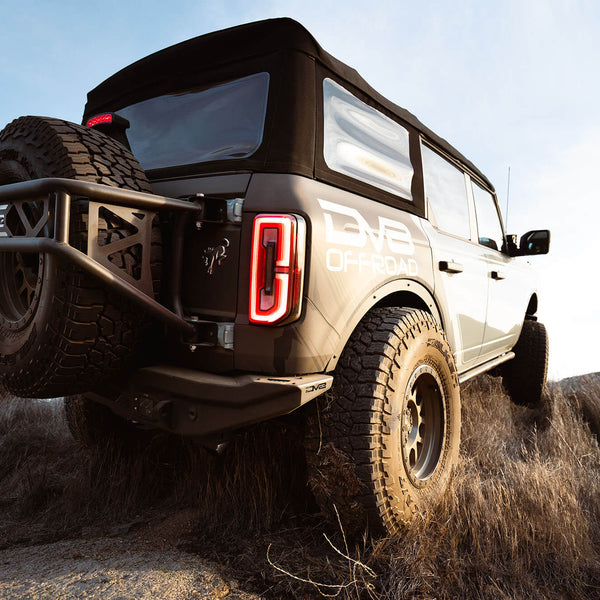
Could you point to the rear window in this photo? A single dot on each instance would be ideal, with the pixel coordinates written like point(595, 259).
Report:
point(222, 122)
point(363, 143)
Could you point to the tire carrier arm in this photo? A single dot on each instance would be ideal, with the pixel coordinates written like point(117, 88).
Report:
point(63, 191)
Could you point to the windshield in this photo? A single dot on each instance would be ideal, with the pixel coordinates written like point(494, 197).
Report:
point(199, 125)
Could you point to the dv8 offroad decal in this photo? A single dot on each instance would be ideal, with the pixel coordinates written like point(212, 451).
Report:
point(352, 230)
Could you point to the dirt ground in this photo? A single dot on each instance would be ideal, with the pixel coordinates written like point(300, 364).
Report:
point(133, 561)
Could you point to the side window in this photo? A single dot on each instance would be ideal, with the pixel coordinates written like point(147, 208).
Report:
point(363, 143)
point(488, 223)
point(446, 194)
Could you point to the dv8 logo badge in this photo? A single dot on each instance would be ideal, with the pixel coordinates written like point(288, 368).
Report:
point(3, 228)
point(392, 243)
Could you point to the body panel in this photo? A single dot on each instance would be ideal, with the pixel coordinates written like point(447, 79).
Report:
point(512, 282)
point(462, 295)
point(356, 246)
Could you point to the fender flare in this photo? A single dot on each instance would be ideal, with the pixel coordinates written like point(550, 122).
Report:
point(418, 290)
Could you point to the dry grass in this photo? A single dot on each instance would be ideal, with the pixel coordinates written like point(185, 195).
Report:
point(49, 488)
point(521, 519)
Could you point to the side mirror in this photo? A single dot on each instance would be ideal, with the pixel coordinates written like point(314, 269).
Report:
point(535, 242)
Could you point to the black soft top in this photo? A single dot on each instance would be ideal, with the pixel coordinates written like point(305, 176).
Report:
point(185, 64)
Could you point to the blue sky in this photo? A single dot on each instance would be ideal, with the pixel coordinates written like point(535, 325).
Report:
point(508, 83)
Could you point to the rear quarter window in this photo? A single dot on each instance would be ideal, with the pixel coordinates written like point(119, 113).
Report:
point(362, 143)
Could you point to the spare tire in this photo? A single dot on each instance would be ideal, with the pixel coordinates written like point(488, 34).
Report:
point(61, 332)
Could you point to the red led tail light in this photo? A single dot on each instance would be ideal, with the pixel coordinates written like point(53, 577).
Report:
point(276, 269)
point(99, 120)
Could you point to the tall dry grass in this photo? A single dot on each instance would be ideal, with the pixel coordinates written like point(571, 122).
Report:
point(521, 518)
point(50, 487)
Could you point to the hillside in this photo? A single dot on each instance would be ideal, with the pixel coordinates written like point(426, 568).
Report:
point(521, 519)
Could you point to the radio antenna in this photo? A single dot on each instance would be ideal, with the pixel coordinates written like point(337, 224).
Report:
point(507, 198)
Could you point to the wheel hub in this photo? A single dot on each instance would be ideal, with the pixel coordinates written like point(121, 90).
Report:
point(423, 425)
point(20, 273)
point(20, 285)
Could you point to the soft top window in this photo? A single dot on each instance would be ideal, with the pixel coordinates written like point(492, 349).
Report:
point(488, 222)
point(363, 143)
point(446, 194)
point(222, 122)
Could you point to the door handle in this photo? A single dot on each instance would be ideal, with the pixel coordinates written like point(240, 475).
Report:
point(497, 275)
point(450, 266)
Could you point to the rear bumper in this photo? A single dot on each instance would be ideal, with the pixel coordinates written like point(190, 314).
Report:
point(189, 402)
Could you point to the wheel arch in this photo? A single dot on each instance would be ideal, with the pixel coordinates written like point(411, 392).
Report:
point(532, 306)
point(403, 293)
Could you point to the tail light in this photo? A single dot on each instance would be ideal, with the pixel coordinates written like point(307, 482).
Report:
point(277, 269)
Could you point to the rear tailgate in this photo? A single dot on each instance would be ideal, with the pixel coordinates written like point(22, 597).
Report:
point(211, 247)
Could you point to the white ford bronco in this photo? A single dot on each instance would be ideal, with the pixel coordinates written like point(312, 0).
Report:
point(242, 225)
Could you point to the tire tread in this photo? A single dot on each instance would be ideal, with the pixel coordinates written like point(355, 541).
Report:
point(524, 376)
point(93, 333)
point(347, 453)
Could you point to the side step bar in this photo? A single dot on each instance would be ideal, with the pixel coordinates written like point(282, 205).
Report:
point(487, 366)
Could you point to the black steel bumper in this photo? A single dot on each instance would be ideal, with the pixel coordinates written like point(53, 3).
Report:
point(190, 402)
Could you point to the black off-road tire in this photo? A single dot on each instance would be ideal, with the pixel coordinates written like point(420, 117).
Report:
point(524, 376)
point(65, 333)
point(395, 379)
